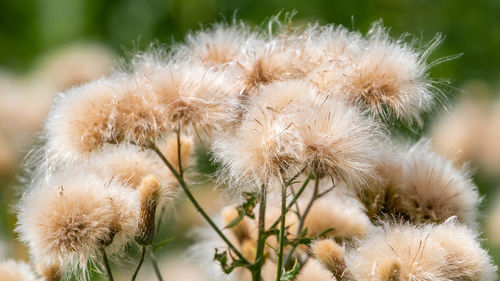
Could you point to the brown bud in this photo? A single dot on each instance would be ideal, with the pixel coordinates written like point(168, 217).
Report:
point(149, 195)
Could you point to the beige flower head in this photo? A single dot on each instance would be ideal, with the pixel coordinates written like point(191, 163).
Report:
point(449, 251)
point(11, 270)
point(67, 220)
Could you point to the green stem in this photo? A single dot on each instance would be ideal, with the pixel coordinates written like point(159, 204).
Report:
point(294, 199)
point(303, 219)
point(143, 255)
point(198, 207)
point(106, 265)
point(282, 233)
point(181, 172)
point(155, 267)
point(261, 240)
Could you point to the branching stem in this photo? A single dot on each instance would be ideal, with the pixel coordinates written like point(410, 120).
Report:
point(193, 200)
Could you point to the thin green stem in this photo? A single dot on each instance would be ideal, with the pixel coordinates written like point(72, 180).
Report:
point(141, 261)
point(303, 219)
point(261, 239)
point(282, 233)
point(106, 264)
point(198, 207)
point(294, 199)
point(155, 267)
point(308, 208)
point(179, 158)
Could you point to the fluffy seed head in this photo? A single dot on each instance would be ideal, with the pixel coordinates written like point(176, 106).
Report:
point(433, 189)
point(219, 46)
point(81, 120)
point(194, 96)
point(339, 209)
point(66, 220)
point(339, 140)
point(263, 147)
point(11, 270)
point(430, 252)
point(385, 74)
point(138, 114)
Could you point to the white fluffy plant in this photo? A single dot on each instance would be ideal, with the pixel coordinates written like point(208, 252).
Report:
point(297, 120)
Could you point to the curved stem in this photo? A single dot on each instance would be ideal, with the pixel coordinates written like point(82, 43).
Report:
point(106, 265)
point(140, 263)
point(179, 158)
point(282, 233)
point(198, 207)
point(294, 199)
point(308, 208)
point(261, 240)
point(155, 267)
point(303, 219)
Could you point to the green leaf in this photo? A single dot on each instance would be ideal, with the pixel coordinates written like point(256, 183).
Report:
point(245, 209)
point(222, 258)
point(237, 220)
point(292, 274)
point(161, 244)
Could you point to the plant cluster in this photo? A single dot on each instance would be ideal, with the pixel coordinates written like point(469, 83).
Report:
point(299, 121)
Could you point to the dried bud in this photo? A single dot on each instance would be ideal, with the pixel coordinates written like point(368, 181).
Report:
point(149, 196)
point(331, 256)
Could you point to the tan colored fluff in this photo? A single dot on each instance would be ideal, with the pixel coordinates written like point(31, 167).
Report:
point(130, 164)
point(380, 197)
point(194, 96)
point(339, 210)
point(137, 112)
point(67, 220)
point(220, 45)
point(264, 146)
point(331, 256)
point(11, 270)
point(169, 148)
point(81, 121)
point(421, 186)
point(339, 140)
point(430, 252)
point(434, 190)
point(276, 61)
point(386, 73)
point(50, 272)
point(149, 197)
point(289, 126)
point(459, 132)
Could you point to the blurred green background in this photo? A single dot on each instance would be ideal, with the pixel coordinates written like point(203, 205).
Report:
point(31, 28)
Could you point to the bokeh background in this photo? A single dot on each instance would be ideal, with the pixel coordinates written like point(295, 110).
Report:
point(47, 46)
